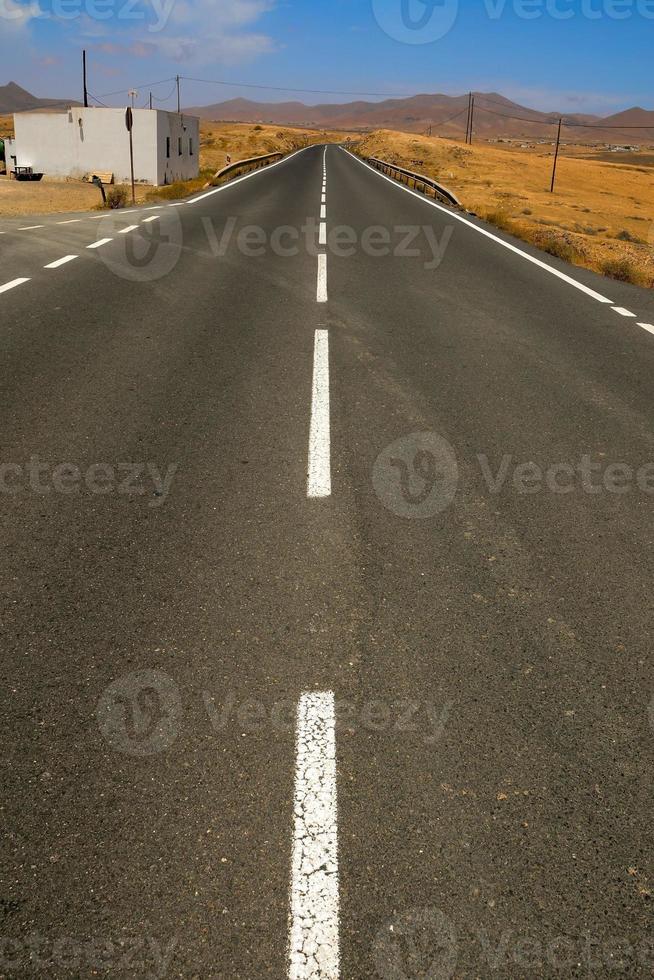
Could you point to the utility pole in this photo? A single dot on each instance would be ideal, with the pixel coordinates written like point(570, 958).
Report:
point(178, 100)
point(86, 94)
point(472, 116)
point(468, 119)
point(150, 99)
point(129, 122)
point(556, 155)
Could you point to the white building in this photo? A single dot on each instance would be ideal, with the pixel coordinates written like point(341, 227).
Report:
point(81, 142)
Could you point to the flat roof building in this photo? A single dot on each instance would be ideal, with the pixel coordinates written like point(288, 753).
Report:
point(81, 142)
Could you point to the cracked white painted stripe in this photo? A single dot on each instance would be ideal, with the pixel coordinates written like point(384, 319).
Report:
point(319, 480)
point(314, 952)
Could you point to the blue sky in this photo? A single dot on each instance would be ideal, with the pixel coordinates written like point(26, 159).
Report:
point(572, 55)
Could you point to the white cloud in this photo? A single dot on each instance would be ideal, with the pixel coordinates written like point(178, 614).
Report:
point(204, 30)
point(16, 16)
point(219, 16)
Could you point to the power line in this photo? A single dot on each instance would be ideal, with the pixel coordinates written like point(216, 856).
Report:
point(99, 101)
point(599, 126)
point(301, 91)
point(505, 115)
point(441, 122)
point(166, 97)
point(123, 91)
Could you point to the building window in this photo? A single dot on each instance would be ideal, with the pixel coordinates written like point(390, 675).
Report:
point(179, 146)
point(168, 147)
point(190, 146)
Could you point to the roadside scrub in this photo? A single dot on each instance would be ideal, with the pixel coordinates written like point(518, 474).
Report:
point(599, 216)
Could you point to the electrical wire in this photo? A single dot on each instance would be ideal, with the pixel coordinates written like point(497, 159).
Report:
point(123, 91)
point(166, 97)
point(301, 91)
point(96, 99)
point(441, 122)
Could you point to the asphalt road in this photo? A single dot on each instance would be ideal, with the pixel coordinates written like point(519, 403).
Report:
point(326, 594)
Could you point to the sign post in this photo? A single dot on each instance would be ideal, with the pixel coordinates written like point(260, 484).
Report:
point(129, 122)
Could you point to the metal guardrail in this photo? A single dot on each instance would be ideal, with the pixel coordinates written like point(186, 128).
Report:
point(392, 170)
point(254, 163)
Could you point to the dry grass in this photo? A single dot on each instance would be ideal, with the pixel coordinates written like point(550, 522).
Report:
point(217, 140)
point(241, 141)
point(600, 215)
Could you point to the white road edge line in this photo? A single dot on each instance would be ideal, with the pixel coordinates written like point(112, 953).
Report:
point(58, 262)
point(124, 231)
point(238, 180)
point(100, 241)
point(322, 234)
point(621, 310)
point(11, 285)
point(321, 292)
point(314, 941)
point(319, 480)
point(487, 234)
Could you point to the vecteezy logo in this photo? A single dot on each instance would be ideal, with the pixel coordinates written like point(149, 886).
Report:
point(420, 943)
point(416, 476)
point(416, 21)
point(139, 713)
point(149, 252)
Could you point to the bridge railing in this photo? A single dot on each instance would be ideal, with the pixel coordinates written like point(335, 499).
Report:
point(244, 166)
point(419, 181)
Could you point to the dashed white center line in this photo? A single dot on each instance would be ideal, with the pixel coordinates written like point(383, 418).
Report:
point(323, 199)
point(155, 217)
point(321, 292)
point(647, 326)
point(314, 952)
point(124, 231)
point(319, 481)
point(621, 310)
point(69, 221)
point(322, 234)
point(100, 241)
point(323, 211)
point(31, 227)
point(58, 262)
point(12, 285)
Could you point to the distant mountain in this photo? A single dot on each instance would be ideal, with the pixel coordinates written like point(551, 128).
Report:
point(632, 117)
point(495, 116)
point(13, 98)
